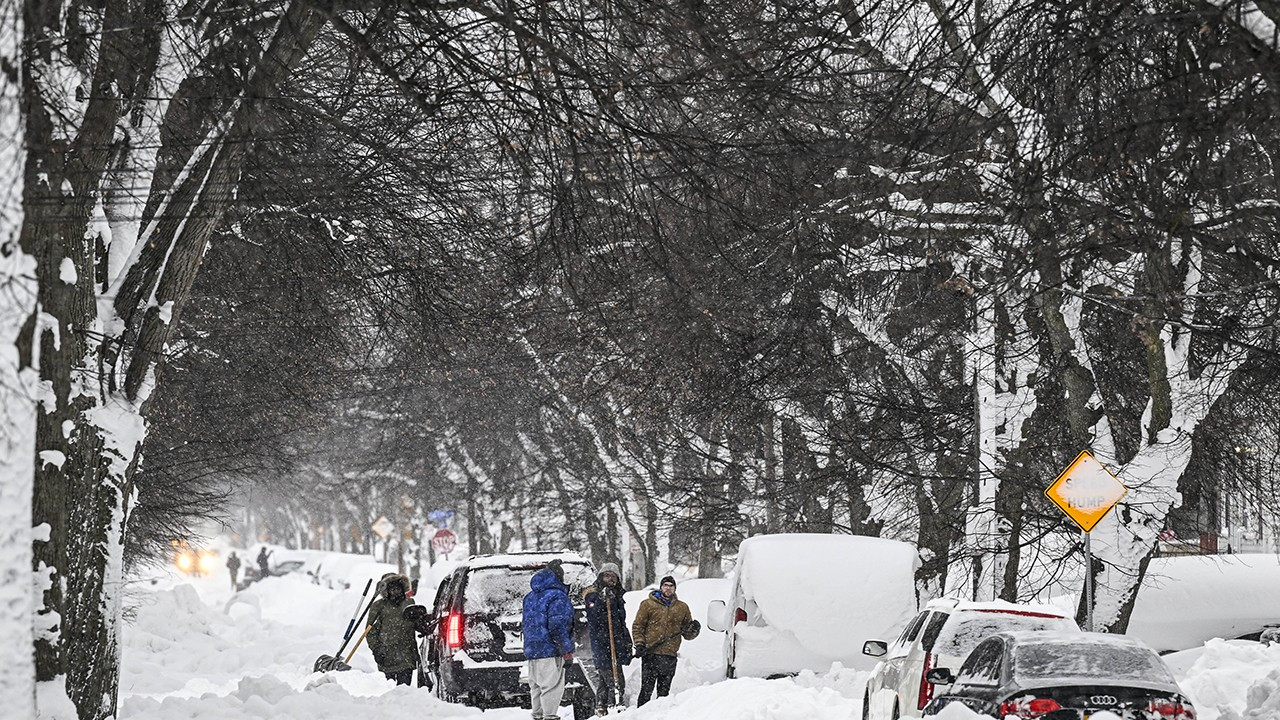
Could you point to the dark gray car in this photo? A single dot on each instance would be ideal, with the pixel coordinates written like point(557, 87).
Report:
point(1063, 676)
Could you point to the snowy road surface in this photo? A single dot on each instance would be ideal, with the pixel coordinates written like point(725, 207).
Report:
point(193, 652)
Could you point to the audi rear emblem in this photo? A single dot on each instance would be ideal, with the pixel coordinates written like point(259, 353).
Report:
point(1103, 700)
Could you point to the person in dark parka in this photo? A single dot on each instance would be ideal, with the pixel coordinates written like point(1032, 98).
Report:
point(391, 637)
point(610, 638)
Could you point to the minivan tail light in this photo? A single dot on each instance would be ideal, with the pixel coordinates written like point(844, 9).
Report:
point(1171, 710)
point(926, 687)
point(453, 631)
point(739, 615)
point(1029, 707)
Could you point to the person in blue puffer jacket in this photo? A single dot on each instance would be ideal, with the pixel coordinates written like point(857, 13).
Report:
point(548, 640)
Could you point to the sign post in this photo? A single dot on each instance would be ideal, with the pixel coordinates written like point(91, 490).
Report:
point(1086, 491)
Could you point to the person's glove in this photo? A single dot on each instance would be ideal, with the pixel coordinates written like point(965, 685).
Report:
point(568, 658)
point(640, 650)
point(693, 628)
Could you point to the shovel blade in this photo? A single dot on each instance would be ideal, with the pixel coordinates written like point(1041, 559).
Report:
point(328, 663)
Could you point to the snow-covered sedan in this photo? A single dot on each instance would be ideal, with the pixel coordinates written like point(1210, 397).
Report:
point(942, 635)
point(1034, 675)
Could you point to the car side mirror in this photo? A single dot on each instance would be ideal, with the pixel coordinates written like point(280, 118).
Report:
point(875, 648)
point(940, 676)
point(716, 611)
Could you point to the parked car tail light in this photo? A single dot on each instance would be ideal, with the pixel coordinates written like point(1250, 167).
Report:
point(1171, 710)
point(926, 687)
point(453, 631)
point(1022, 613)
point(1025, 707)
point(739, 615)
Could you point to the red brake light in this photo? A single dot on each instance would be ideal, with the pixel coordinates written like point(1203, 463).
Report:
point(1029, 707)
point(453, 631)
point(926, 687)
point(1171, 710)
point(739, 615)
point(1023, 613)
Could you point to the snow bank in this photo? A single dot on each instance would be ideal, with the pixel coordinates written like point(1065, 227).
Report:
point(178, 645)
point(1229, 680)
point(1186, 601)
point(822, 597)
point(335, 695)
point(832, 696)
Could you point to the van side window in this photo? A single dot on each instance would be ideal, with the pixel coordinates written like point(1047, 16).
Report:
point(913, 629)
point(908, 634)
point(442, 593)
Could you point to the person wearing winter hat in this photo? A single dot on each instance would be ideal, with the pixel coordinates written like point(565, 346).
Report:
point(661, 622)
point(610, 640)
point(390, 635)
point(547, 620)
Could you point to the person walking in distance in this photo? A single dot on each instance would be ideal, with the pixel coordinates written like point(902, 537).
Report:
point(547, 620)
point(390, 635)
point(264, 566)
point(661, 622)
point(610, 640)
point(233, 565)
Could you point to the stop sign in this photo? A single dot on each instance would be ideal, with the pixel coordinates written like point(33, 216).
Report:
point(444, 541)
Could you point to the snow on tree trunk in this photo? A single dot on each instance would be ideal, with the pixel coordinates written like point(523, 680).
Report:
point(110, 293)
point(1180, 400)
point(17, 393)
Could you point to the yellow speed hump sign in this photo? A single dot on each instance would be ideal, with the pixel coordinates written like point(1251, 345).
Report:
point(1086, 491)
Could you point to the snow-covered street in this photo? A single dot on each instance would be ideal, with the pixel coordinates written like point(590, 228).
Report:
point(195, 650)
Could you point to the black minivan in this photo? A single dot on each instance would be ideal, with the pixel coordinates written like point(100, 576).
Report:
point(474, 653)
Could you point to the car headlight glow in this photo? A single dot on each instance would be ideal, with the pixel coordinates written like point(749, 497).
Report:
point(184, 562)
point(208, 562)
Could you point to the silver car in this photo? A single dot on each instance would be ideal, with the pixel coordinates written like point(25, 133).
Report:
point(942, 635)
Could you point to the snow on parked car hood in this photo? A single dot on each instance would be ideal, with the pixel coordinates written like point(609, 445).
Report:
point(830, 592)
point(1186, 601)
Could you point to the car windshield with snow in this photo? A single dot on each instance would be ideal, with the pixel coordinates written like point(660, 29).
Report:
point(1063, 676)
point(475, 650)
point(942, 635)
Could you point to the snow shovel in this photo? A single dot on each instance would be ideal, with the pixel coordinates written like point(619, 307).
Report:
point(614, 695)
point(326, 663)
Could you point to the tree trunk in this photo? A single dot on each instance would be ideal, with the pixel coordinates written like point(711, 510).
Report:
point(18, 381)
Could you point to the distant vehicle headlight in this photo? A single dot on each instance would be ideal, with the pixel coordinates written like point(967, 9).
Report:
point(185, 562)
point(208, 562)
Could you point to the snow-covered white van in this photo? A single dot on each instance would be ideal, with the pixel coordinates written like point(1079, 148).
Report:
point(805, 601)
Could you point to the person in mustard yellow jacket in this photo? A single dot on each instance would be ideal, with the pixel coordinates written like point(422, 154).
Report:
point(662, 623)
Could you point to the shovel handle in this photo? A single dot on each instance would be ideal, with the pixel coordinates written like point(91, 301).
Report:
point(357, 647)
point(347, 638)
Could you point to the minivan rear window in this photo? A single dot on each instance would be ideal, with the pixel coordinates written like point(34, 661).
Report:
point(968, 628)
point(500, 591)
